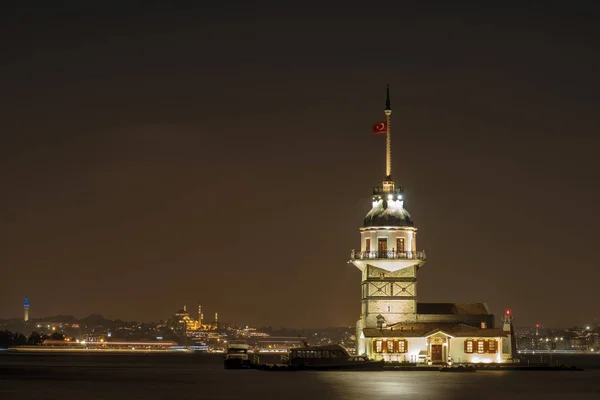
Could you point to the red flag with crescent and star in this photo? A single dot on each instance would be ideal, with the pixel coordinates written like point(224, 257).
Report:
point(380, 127)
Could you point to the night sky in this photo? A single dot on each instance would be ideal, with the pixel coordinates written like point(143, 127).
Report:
point(156, 156)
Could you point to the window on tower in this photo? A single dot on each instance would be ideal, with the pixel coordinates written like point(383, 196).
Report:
point(368, 244)
point(382, 247)
point(400, 245)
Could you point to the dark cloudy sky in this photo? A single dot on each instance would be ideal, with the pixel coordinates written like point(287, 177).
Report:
point(159, 155)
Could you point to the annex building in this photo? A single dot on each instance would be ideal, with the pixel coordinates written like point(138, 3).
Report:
point(394, 325)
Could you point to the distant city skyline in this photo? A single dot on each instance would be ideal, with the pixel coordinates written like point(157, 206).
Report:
point(590, 323)
point(222, 154)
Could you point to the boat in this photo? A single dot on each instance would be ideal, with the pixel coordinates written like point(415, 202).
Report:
point(236, 356)
point(324, 358)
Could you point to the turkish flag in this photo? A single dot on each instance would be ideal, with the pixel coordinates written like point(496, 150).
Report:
point(380, 127)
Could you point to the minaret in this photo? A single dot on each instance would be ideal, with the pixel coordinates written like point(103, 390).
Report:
point(199, 316)
point(216, 320)
point(26, 307)
point(388, 257)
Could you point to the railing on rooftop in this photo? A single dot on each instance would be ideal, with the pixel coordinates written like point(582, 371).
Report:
point(388, 254)
point(380, 190)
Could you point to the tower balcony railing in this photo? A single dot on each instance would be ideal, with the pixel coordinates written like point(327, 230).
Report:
point(388, 254)
point(380, 190)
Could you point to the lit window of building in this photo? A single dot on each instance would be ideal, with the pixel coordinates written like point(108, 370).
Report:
point(469, 346)
point(378, 346)
point(402, 346)
point(491, 346)
point(480, 346)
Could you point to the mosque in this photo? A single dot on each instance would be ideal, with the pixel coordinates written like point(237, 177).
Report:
point(394, 325)
point(183, 321)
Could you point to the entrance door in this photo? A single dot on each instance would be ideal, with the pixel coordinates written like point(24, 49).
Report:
point(436, 353)
point(382, 247)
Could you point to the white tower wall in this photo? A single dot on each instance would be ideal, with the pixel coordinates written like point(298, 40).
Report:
point(391, 235)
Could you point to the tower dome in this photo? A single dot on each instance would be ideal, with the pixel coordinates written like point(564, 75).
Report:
point(388, 210)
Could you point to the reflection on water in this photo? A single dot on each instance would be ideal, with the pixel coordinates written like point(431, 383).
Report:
point(456, 386)
point(94, 377)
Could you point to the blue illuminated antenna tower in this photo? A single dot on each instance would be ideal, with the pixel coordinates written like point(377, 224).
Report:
point(26, 306)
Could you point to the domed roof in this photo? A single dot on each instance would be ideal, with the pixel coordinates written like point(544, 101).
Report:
point(388, 213)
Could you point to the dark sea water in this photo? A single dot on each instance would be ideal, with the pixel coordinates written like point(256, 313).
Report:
point(34, 376)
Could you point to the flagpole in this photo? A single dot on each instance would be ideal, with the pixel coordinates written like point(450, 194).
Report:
point(388, 136)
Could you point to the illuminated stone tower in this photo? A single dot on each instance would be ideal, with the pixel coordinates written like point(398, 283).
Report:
point(26, 308)
point(388, 257)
